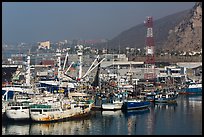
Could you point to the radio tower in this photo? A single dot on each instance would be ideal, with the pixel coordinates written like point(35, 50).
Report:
point(149, 71)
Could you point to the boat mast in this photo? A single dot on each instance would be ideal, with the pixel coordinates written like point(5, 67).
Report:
point(59, 65)
point(58, 54)
point(79, 53)
point(130, 71)
point(117, 74)
point(28, 71)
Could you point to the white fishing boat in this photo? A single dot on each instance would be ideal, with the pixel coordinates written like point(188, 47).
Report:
point(116, 105)
point(18, 110)
point(59, 110)
point(55, 107)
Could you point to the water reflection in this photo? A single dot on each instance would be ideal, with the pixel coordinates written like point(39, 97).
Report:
point(60, 128)
point(16, 129)
point(184, 117)
point(194, 98)
point(71, 127)
point(116, 113)
point(131, 113)
point(159, 113)
point(165, 106)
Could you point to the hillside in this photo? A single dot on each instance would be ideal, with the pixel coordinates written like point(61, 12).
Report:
point(180, 31)
point(187, 35)
point(135, 36)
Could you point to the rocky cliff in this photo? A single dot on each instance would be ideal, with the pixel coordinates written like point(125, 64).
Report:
point(187, 35)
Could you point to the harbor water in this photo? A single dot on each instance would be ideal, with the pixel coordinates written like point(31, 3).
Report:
point(182, 118)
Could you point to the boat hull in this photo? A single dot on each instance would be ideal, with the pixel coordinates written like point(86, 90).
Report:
point(166, 100)
point(21, 114)
point(129, 105)
point(44, 114)
point(112, 106)
point(192, 89)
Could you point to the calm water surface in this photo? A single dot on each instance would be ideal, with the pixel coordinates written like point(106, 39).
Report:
point(183, 118)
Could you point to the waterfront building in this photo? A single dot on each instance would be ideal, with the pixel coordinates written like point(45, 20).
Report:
point(176, 73)
point(192, 69)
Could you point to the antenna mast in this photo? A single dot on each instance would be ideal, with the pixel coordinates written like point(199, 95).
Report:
point(149, 71)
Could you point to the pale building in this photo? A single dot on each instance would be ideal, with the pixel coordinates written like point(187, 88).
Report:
point(44, 45)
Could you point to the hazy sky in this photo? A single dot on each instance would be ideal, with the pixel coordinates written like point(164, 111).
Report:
point(38, 21)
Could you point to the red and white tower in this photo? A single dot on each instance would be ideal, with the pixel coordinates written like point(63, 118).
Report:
point(149, 71)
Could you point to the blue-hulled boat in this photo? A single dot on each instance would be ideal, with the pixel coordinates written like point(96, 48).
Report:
point(167, 95)
point(135, 104)
point(193, 88)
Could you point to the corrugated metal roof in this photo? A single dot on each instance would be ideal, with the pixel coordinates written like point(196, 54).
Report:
point(189, 64)
point(109, 63)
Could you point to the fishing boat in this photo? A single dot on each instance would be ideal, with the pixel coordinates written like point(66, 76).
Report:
point(116, 105)
point(135, 104)
point(9, 105)
point(192, 88)
point(59, 110)
point(19, 107)
point(56, 107)
point(166, 96)
point(18, 110)
point(135, 101)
